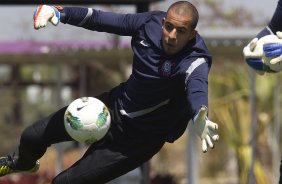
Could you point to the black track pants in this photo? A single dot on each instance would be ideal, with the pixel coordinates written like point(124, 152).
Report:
point(120, 151)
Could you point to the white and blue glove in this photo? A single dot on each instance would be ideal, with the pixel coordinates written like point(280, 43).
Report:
point(205, 129)
point(44, 14)
point(255, 55)
point(274, 51)
point(252, 58)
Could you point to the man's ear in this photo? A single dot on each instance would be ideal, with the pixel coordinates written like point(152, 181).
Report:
point(193, 34)
point(163, 21)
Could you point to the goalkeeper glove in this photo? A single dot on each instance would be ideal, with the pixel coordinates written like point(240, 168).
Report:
point(274, 50)
point(205, 129)
point(45, 13)
point(255, 56)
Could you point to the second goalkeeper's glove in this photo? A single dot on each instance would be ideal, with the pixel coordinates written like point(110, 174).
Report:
point(44, 14)
point(274, 50)
point(205, 129)
point(255, 55)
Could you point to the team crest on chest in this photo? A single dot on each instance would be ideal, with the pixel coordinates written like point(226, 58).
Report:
point(166, 68)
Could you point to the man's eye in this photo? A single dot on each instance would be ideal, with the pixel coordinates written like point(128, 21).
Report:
point(168, 27)
point(181, 31)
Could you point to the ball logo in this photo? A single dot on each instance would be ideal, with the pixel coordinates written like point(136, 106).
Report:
point(102, 117)
point(73, 121)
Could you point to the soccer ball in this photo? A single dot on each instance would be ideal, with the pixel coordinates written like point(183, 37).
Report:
point(87, 120)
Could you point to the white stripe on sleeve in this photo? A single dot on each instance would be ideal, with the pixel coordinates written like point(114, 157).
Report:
point(89, 13)
point(193, 66)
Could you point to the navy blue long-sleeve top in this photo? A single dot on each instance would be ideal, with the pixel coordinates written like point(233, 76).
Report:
point(164, 91)
point(275, 23)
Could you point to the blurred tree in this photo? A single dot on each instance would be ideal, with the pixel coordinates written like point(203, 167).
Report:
point(213, 13)
point(230, 92)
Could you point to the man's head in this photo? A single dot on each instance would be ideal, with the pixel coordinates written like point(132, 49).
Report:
point(179, 26)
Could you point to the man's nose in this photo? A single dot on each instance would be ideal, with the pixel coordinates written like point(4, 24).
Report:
point(172, 34)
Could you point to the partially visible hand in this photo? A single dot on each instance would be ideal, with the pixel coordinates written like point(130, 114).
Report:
point(274, 50)
point(45, 13)
point(249, 51)
point(253, 56)
point(205, 129)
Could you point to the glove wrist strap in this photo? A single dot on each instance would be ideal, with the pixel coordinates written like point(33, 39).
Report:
point(62, 12)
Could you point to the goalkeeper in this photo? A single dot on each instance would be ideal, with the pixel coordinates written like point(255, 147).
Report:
point(272, 47)
point(273, 50)
point(167, 88)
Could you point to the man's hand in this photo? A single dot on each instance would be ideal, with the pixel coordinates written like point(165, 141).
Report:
point(205, 129)
point(274, 50)
point(45, 13)
point(255, 55)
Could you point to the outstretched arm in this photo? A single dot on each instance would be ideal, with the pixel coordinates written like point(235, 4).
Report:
point(117, 23)
point(197, 96)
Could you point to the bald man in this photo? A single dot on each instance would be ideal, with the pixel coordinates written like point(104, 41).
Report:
point(168, 87)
